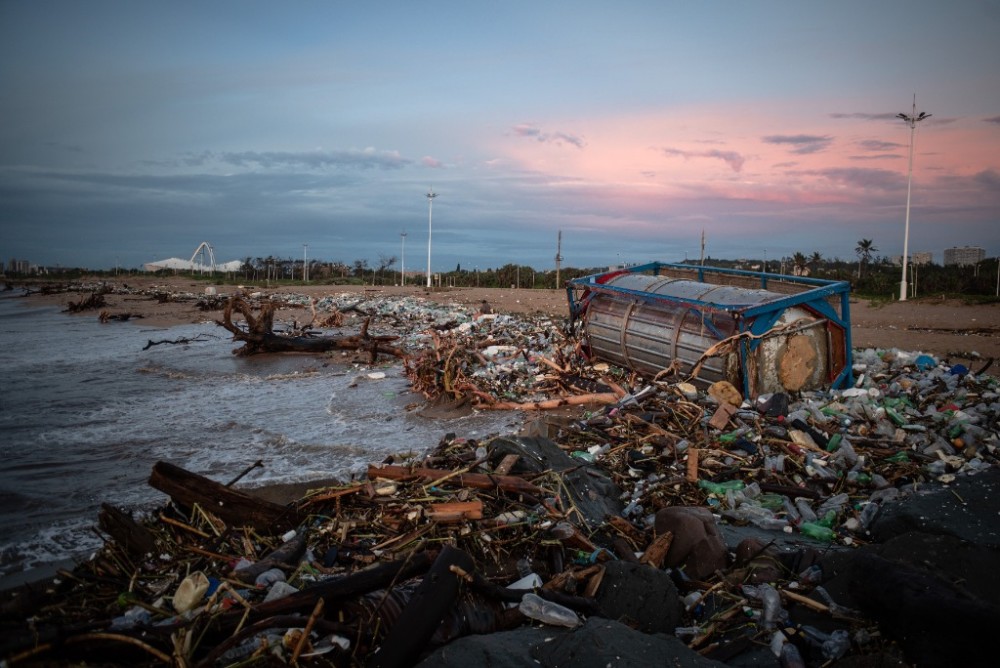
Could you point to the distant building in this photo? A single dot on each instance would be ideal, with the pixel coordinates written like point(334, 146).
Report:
point(921, 258)
point(16, 266)
point(966, 255)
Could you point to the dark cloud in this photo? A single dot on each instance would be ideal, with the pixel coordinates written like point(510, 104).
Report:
point(367, 158)
point(803, 143)
point(866, 179)
point(989, 178)
point(731, 158)
point(993, 119)
point(880, 146)
point(864, 116)
point(559, 138)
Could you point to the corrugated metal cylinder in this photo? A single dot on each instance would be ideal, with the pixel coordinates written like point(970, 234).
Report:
point(647, 323)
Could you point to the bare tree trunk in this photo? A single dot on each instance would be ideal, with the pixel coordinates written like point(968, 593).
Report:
point(259, 336)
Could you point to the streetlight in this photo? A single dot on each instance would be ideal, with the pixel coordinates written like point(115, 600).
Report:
point(430, 216)
point(305, 263)
point(402, 262)
point(911, 119)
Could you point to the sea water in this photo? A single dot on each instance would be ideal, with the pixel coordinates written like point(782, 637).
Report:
point(86, 410)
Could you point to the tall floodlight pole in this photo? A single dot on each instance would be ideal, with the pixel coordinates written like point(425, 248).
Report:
point(305, 263)
point(911, 119)
point(430, 217)
point(402, 261)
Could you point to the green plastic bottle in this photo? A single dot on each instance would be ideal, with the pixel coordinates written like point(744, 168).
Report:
point(720, 488)
point(817, 531)
point(895, 417)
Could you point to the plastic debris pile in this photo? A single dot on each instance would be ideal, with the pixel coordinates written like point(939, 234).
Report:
point(675, 508)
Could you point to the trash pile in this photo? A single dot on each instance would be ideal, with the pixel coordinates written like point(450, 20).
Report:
point(664, 517)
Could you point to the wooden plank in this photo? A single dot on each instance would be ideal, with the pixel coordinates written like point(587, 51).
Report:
point(455, 511)
point(232, 506)
point(506, 464)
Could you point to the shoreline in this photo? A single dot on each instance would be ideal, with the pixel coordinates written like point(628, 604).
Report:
point(961, 333)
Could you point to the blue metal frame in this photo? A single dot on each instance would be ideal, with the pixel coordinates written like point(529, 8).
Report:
point(755, 318)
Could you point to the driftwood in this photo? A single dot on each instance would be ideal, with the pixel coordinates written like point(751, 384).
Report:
point(94, 301)
point(183, 340)
point(233, 507)
point(259, 336)
point(424, 611)
point(135, 538)
point(506, 483)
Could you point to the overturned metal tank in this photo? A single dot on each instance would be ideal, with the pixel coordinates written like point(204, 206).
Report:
point(761, 332)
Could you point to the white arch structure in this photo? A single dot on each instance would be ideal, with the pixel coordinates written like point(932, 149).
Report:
point(211, 256)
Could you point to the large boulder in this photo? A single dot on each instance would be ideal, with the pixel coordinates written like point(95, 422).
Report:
point(641, 596)
point(697, 546)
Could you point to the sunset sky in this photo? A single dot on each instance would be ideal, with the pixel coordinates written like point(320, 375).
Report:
point(134, 131)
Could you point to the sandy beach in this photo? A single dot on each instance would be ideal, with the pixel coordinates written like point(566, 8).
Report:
point(946, 328)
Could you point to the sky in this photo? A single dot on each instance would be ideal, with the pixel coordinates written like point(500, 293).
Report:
point(135, 131)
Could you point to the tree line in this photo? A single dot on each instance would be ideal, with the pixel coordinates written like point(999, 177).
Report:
point(870, 274)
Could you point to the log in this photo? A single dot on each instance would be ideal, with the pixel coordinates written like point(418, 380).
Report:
point(129, 534)
point(232, 506)
point(423, 613)
point(259, 336)
point(349, 586)
point(507, 483)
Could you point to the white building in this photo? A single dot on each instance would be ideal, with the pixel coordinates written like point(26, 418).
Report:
point(965, 255)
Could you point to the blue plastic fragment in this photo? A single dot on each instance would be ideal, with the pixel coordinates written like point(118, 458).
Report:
point(925, 362)
point(959, 370)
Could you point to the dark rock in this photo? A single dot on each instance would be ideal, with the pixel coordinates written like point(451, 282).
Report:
point(697, 544)
point(967, 509)
point(641, 596)
point(597, 644)
point(935, 624)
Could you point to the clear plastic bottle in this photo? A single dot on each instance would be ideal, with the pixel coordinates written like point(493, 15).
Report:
point(791, 657)
point(773, 612)
point(547, 612)
point(269, 577)
point(805, 510)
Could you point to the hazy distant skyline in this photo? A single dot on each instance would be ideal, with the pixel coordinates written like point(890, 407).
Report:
point(133, 132)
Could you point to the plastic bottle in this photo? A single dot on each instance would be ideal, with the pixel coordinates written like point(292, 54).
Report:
point(279, 589)
point(805, 510)
point(547, 612)
point(835, 503)
point(269, 577)
point(817, 531)
point(773, 612)
point(791, 657)
point(720, 487)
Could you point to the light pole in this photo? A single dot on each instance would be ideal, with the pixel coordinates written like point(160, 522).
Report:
point(911, 119)
point(305, 263)
point(402, 261)
point(430, 217)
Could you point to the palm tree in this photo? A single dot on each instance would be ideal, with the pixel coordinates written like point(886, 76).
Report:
point(798, 264)
point(815, 259)
point(865, 249)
